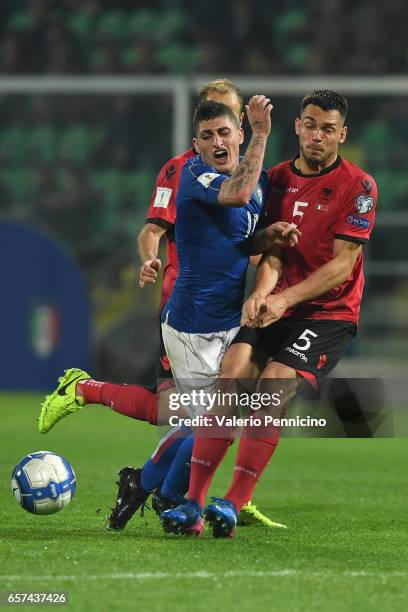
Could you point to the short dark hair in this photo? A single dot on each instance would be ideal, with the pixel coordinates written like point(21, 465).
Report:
point(209, 109)
point(326, 100)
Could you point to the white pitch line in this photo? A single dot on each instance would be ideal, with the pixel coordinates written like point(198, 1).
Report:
point(289, 573)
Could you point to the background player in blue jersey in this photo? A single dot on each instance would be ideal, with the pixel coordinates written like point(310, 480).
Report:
point(219, 202)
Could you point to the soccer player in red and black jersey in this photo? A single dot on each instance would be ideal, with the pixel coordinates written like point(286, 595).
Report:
point(160, 222)
point(305, 305)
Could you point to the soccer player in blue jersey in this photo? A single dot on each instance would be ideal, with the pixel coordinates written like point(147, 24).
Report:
point(219, 164)
point(219, 202)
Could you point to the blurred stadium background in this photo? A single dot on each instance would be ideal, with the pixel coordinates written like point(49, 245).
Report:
point(96, 95)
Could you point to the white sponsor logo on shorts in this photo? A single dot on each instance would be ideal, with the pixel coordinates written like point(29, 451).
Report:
point(297, 353)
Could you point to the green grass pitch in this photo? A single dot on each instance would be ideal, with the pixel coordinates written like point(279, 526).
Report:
point(345, 502)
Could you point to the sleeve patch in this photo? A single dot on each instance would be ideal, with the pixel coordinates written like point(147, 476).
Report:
point(359, 221)
point(163, 195)
point(207, 178)
point(364, 203)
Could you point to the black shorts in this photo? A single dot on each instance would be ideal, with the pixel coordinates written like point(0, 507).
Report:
point(309, 346)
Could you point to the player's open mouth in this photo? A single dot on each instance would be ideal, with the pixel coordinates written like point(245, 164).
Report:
point(221, 156)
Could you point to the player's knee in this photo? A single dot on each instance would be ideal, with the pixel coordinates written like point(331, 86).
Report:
point(233, 363)
point(278, 381)
point(241, 362)
point(278, 370)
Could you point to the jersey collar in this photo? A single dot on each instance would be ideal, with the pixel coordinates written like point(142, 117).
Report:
point(324, 171)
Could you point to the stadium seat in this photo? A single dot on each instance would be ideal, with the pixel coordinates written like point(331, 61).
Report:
point(142, 23)
point(82, 24)
point(112, 25)
point(392, 189)
point(171, 25)
point(273, 153)
point(140, 185)
point(132, 58)
point(13, 144)
point(112, 188)
point(105, 59)
point(377, 139)
point(298, 55)
point(177, 59)
point(43, 143)
point(287, 29)
point(19, 183)
point(289, 21)
point(77, 144)
point(20, 21)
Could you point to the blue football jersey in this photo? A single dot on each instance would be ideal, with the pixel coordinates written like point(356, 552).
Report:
point(213, 248)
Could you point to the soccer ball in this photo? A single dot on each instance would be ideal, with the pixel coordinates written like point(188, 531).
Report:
point(43, 483)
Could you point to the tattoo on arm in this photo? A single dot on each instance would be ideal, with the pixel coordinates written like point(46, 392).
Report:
point(244, 179)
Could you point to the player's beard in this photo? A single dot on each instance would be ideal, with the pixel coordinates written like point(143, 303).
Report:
point(313, 162)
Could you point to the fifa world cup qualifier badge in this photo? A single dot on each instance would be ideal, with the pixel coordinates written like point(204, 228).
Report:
point(364, 203)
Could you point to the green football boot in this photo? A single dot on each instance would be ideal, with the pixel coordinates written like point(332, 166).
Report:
point(63, 400)
point(250, 515)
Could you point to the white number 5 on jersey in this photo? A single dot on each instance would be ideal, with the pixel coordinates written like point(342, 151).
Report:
point(297, 206)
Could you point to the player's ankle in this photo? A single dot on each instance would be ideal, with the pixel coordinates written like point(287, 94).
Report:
point(199, 507)
point(79, 390)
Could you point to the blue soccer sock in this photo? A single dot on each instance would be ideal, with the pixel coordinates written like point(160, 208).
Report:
point(178, 478)
point(156, 468)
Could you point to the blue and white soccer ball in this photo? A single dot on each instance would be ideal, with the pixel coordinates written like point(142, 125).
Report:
point(43, 483)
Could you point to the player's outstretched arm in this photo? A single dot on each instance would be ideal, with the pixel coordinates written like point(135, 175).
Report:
point(237, 190)
point(330, 275)
point(148, 243)
point(280, 233)
point(267, 275)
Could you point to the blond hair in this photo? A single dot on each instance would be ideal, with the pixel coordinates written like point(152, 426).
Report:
point(223, 86)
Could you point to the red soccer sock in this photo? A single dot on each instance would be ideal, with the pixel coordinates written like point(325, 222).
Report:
point(252, 458)
point(130, 400)
point(206, 456)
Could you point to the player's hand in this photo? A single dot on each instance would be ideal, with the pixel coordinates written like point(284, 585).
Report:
point(274, 308)
point(148, 272)
point(259, 115)
point(284, 234)
point(251, 309)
